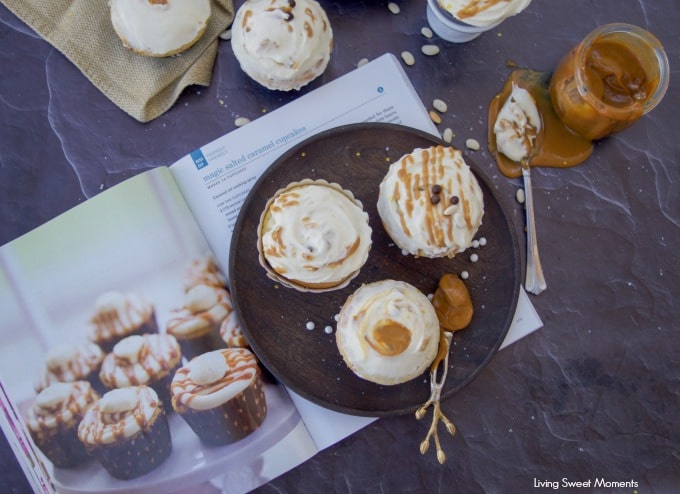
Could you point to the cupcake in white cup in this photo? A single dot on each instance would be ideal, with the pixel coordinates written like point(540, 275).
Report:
point(460, 21)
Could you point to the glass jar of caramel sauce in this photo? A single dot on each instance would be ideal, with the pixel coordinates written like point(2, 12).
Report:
point(617, 74)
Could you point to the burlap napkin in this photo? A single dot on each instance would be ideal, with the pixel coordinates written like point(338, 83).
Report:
point(144, 87)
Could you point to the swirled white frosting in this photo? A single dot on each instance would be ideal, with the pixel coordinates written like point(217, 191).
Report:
point(139, 360)
point(118, 314)
point(483, 12)
point(68, 362)
point(414, 220)
point(282, 44)
point(388, 332)
point(119, 414)
point(60, 404)
point(213, 378)
point(204, 309)
point(315, 235)
point(159, 27)
point(517, 125)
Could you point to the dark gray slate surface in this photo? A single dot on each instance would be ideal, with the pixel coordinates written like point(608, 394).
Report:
point(593, 394)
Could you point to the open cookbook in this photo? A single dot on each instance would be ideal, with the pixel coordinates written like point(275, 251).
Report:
point(152, 254)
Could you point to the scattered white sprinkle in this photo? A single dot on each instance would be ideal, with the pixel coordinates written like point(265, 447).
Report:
point(474, 258)
point(226, 35)
point(336, 317)
point(447, 135)
point(472, 144)
point(408, 58)
point(404, 252)
point(482, 241)
point(241, 121)
point(464, 275)
point(429, 50)
point(310, 325)
point(519, 195)
point(361, 62)
point(430, 296)
point(394, 8)
point(328, 329)
point(439, 105)
point(427, 32)
point(475, 244)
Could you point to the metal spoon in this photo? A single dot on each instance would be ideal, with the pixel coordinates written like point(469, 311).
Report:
point(436, 385)
point(535, 281)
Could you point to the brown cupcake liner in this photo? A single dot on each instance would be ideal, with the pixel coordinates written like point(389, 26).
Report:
point(62, 447)
point(273, 275)
point(138, 454)
point(231, 421)
point(205, 342)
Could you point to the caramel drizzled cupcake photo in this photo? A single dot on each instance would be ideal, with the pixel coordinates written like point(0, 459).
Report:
point(220, 395)
point(118, 315)
point(196, 324)
point(69, 362)
point(203, 271)
point(150, 359)
point(53, 422)
point(127, 432)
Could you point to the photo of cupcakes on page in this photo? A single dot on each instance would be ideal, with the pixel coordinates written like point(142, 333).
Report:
point(150, 359)
point(388, 332)
point(430, 202)
point(127, 431)
point(203, 271)
point(313, 236)
point(159, 28)
point(220, 395)
point(118, 315)
point(53, 422)
point(70, 362)
point(282, 44)
point(196, 324)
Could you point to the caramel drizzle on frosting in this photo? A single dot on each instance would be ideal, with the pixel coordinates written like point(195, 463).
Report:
point(66, 413)
point(87, 357)
point(159, 353)
point(474, 7)
point(184, 321)
point(110, 321)
point(98, 427)
point(242, 367)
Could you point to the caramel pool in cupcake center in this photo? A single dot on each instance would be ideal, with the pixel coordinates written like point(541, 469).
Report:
point(389, 338)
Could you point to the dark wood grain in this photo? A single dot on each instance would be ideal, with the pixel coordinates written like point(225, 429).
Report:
point(274, 317)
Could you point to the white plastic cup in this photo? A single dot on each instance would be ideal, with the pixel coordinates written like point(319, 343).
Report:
point(451, 29)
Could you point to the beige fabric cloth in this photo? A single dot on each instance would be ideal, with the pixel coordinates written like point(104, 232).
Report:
point(144, 87)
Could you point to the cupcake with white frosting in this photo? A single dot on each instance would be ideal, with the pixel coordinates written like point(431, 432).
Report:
point(282, 44)
point(313, 236)
point(127, 432)
point(388, 332)
point(150, 359)
point(203, 271)
point(196, 324)
point(118, 315)
point(53, 422)
point(70, 362)
point(430, 202)
point(220, 395)
point(159, 28)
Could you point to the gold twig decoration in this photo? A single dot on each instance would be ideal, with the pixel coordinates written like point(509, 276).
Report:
point(436, 386)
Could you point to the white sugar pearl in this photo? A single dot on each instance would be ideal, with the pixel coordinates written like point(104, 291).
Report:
point(310, 325)
point(394, 8)
point(464, 275)
point(328, 329)
point(482, 241)
point(474, 258)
